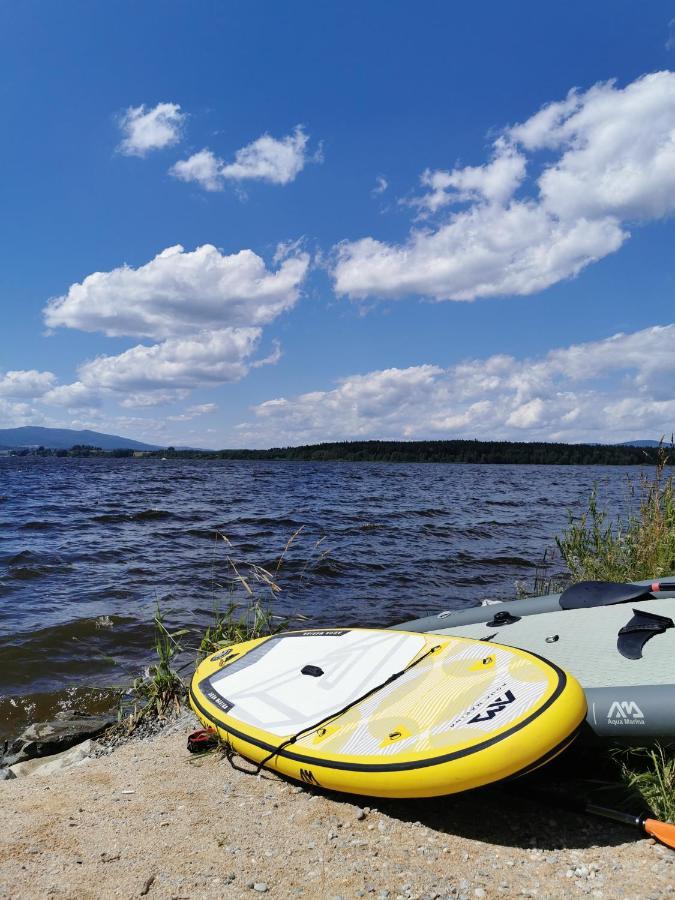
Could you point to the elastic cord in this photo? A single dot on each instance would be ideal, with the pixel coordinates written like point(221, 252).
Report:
point(340, 712)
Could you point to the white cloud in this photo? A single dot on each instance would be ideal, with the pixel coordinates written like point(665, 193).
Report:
point(201, 409)
point(150, 129)
point(26, 384)
point(276, 160)
point(163, 373)
point(670, 40)
point(208, 358)
point(381, 185)
point(614, 164)
point(486, 251)
point(146, 399)
point(181, 292)
point(614, 389)
point(14, 415)
point(192, 412)
point(494, 182)
point(202, 167)
point(73, 396)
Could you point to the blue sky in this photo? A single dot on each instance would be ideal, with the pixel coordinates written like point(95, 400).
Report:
point(409, 227)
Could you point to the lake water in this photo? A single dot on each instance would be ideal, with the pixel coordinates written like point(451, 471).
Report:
point(89, 547)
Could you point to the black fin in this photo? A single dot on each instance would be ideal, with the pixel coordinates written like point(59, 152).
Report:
point(633, 636)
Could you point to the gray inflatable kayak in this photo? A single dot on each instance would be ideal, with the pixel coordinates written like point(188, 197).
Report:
point(622, 654)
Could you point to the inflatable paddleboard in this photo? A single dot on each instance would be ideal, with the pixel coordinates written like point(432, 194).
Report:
point(623, 656)
point(387, 713)
point(526, 606)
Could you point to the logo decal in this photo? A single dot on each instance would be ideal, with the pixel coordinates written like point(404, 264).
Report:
point(219, 701)
point(308, 776)
point(625, 712)
point(496, 706)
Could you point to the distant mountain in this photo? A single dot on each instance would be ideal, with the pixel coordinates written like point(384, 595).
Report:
point(640, 444)
point(65, 438)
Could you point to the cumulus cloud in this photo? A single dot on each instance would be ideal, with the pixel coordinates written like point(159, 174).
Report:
point(494, 182)
point(276, 160)
point(614, 389)
point(14, 414)
point(181, 292)
point(558, 193)
point(150, 129)
point(146, 376)
point(26, 384)
point(208, 358)
point(203, 168)
point(73, 396)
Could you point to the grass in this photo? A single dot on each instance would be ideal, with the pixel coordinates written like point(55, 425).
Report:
point(248, 613)
point(651, 771)
point(160, 691)
point(641, 546)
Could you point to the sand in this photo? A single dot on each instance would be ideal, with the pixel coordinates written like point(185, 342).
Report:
point(151, 820)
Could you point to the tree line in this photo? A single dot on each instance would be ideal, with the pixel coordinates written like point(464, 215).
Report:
point(457, 451)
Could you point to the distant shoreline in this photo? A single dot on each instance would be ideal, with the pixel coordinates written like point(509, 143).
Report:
point(459, 451)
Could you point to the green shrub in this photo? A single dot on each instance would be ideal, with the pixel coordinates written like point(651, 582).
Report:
point(639, 547)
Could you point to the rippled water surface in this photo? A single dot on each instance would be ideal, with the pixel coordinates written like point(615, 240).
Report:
point(89, 547)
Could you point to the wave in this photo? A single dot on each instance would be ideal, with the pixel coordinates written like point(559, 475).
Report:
point(144, 515)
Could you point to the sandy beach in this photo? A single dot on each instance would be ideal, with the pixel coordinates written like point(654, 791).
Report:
point(150, 819)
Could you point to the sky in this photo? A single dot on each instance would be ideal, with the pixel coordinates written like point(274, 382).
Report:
point(249, 224)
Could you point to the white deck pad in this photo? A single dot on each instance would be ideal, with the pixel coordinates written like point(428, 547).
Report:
point(267, 689)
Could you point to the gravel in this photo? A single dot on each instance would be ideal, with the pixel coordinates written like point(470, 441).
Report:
point(152, 820)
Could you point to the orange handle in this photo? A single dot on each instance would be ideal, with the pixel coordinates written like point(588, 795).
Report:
point(662, 831)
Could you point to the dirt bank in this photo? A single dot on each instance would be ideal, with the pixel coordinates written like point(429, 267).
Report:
point(150, 820)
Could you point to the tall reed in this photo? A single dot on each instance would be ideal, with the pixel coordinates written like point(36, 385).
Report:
point(641, 546)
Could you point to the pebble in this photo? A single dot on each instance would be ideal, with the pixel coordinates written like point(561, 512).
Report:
point(260, 887)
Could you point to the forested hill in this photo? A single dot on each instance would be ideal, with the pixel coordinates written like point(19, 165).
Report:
point(404, 451)
point(448, 452)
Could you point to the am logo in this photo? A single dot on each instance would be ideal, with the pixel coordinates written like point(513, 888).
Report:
point(625, 709)
point(308, 777)
point(493, 708)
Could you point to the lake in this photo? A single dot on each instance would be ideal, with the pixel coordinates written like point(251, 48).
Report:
point(90, 547)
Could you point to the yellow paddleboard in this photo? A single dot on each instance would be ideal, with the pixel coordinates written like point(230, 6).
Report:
point(388, 713)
